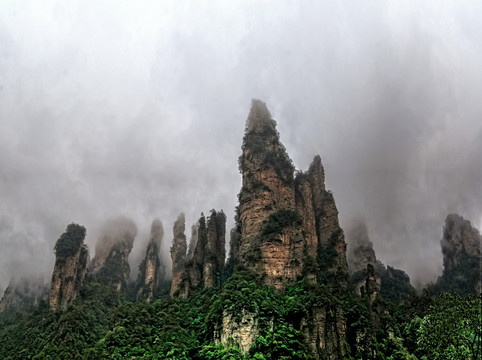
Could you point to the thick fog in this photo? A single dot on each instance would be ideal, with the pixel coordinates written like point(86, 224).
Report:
point(137, 109)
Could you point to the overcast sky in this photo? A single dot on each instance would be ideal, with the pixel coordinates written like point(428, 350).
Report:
point(138, 108)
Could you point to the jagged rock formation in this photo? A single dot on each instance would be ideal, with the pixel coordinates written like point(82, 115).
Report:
point(178, 253)
point(242, 330)
point(71, 256)
point(371, 274)
point(192, 241)
point(324, 332)
point(360, 249)
point(287, 227)
point(462, 261)
point(23, 293)
point(151, 270)
point(208, 257)
point(110, 264)
point(371, 287)
point(360, 255)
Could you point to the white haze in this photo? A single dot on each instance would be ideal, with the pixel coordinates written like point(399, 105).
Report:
point(137, 109)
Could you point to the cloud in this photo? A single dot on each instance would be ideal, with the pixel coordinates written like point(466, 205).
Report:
point(138, 109)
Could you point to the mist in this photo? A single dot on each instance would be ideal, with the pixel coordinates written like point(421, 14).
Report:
point(132, 109)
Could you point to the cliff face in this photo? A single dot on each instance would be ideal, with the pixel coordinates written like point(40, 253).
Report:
point(23, 293)
point(205, 265)
point(460, 240)
point(71, 256)
point(360, 249)
point(461, 244)
point(287, 226)
point(371, 275)
point(151, 270)
point(178, 254)
point(111, 264)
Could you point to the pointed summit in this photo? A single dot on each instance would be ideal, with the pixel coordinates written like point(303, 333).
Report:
point(151, 269)
point(317, 173)
point(178, 253)
point(157, 232)
point(259, 117)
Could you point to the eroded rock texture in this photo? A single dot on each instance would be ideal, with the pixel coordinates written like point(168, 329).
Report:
point(371, 274)
point(287, 226)
point(178, 253)
point(71, 257)
point(287, 229)
point(460, 239)
point(113, 247)
point(461, 244)
point(324, 332)
point(151, 269)
point(205, 265)
point(242, 329)
point(23, 293)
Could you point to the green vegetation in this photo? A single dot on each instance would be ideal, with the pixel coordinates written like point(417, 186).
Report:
point(451, 329)
point(280, 220)
point(115, 267)
point(69, 242)
point(268, 150)
point(460, 279)
point(102, 324)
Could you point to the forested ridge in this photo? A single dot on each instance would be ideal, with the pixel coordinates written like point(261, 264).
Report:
point(102, 324)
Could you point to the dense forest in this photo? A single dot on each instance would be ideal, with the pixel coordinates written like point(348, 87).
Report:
point(102, 324)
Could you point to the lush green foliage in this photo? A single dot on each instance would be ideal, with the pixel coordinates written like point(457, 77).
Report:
point(279, 220)
point(103, 325)
point(452, 329)
point(69, 242)
point(460, 279)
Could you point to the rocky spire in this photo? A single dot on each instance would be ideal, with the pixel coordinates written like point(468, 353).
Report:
point(113, 247)
point(331, 239)
point(462, 260)
point(371, 276)
point(207, 262)
point(178, 253)
point(151, 270)
point(287, 226)
point(460, 240)
point(71, 256)
point(360, 248)
point(215, 252)
point(259, 118)
point(22, 293)
point(371, 287)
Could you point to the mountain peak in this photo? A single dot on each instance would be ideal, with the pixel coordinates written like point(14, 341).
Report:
point(259, 117)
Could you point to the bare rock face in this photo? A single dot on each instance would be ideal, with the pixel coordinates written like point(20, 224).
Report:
point(113, 247)
point(459, 240)
point(71, 256)
point(367, 273)
point(23, 293)
point(287, 226)
point(178, 254)
point(360, 248)
point(151, 270)
point(242, 331)
point(371, 287)
point(206, 264)
point(462, 261)
point(360, 255)
point(323, 330)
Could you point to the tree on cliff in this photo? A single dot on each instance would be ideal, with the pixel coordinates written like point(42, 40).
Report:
point(69, 242)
